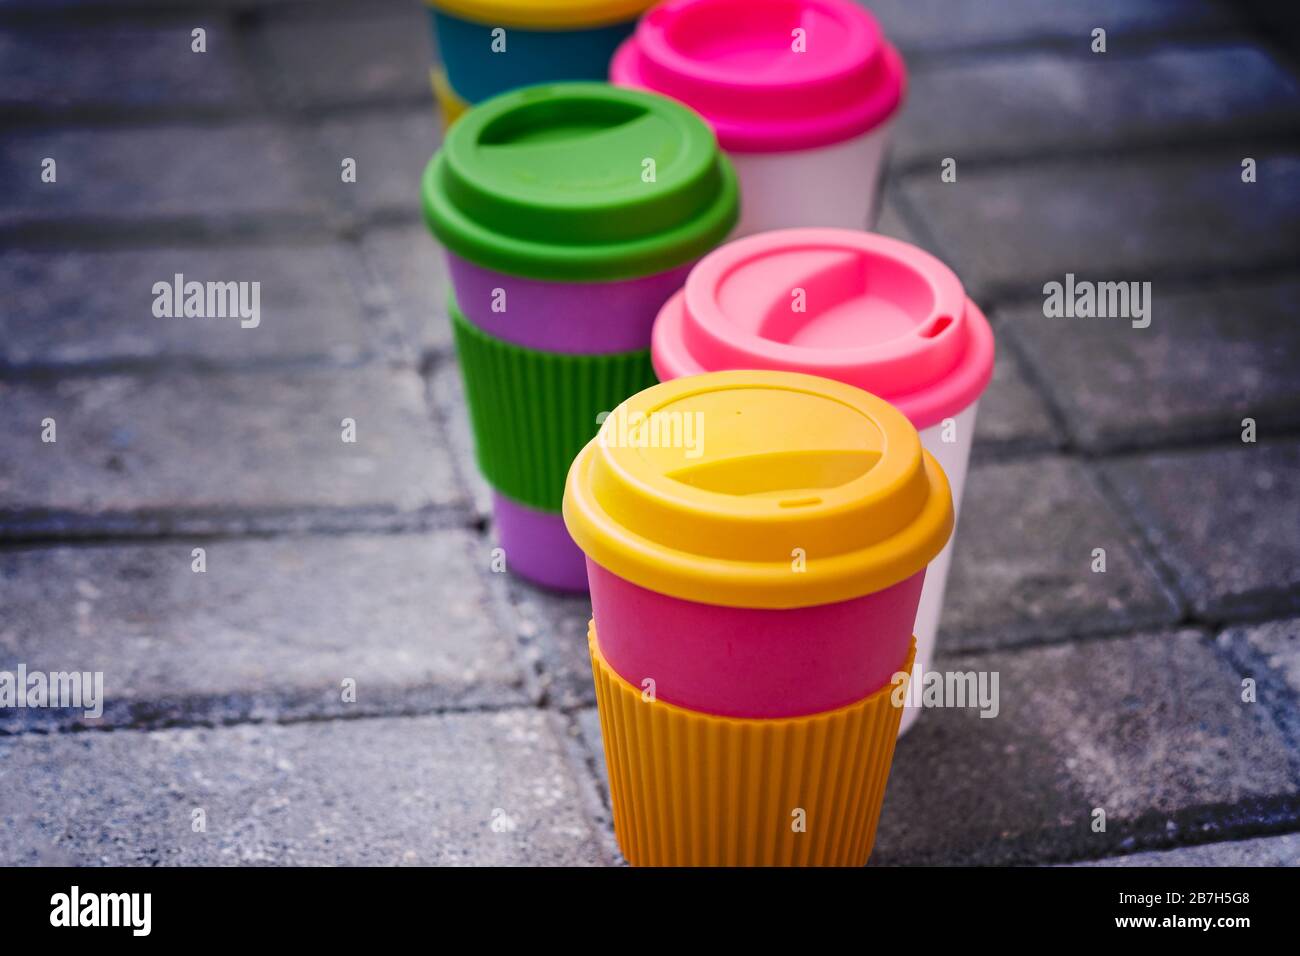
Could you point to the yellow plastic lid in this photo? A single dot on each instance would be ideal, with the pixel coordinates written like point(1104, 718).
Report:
point(544, 14)
point(758, 489)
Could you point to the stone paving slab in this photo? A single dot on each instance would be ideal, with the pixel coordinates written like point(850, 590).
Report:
point(1020, 103)
point(137, 66)
point(1022, 564)
point(411, 268)
point(1264, 851)
point(419, 790)
point(1108, 220)
point(391, 149)
point(447, 395)
point(934, 26)
point(1224, 520)
point(270, 630)
point(149, 452)
point(196, 176)
point(1211, 357)
point(1149, 728)
point(326, 55)
point(87, 307)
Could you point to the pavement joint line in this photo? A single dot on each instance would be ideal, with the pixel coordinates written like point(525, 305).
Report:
point(1191, 145)
point(25, 527)
point(1100, 634)
point(1120, 448)
point(992, 451)
point(93, 540)
point(1132, 43)
point(378, 306)
point(181, 228)
point(106, 116)
point(583, 763)
point(154, 369)
point(1194, 825)
point(525, 644)
point(461, 468)
point(194, 365)
point(149, 727)
point(504, 615)
point(1281, 832)
point(136, 239)
point(49, 726)
point(1137, 45)
point(1248, 662)
point(431, 361)
point(999, 295)
point(100, 15)
point(104, 232)
point(1170, 150)
point(1230, 441)
point(1054, 410)
point(1012, 297)
point(1246, 618)
point(1145, 547)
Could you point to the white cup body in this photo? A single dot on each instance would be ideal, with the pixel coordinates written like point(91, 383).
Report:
point(954, 457)
point(834, 185)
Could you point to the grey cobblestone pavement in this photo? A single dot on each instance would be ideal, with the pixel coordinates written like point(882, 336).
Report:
point(471, 735)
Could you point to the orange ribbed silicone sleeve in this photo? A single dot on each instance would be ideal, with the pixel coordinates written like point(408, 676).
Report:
point(694, 789)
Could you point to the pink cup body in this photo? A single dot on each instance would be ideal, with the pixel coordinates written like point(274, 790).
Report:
point(753, 662)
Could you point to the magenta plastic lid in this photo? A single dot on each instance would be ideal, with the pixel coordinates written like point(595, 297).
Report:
point(764, 86)
point(853, 306)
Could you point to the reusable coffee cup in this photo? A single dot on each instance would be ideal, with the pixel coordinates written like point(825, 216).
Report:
point(800, 92)
point(853, 306)
point(756, 543)
point(491, 46)
point(569, 213)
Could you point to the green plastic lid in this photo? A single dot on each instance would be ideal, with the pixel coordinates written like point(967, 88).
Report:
point(580, 182)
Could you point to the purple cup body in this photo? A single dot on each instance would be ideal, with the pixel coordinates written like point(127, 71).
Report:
point(575, 318)
point(538, 546)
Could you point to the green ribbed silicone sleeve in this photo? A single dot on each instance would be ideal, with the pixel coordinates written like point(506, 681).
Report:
point(532, 411)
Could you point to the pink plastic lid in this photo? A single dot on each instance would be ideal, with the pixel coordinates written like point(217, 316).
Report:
point(853, 306)
point(735, 62)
